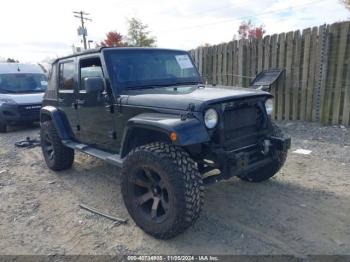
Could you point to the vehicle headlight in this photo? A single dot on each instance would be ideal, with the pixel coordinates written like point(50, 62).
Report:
point(269, 106)
point(7, 101)
point(211, 118)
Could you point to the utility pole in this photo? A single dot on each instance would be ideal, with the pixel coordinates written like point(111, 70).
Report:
point(82, 30)
point(90, 42)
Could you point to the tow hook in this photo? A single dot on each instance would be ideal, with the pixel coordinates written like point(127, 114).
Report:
point(266, 147)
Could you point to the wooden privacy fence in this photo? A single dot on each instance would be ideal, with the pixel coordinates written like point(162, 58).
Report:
point(316, 83)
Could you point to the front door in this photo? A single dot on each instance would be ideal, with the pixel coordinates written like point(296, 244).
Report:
point(67, 93)
point(97, 127)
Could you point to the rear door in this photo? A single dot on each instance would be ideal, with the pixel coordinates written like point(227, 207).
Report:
point(67, 93)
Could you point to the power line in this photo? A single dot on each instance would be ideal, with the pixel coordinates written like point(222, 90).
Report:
point(240, 18)
point(208, 10)
point(82, 30)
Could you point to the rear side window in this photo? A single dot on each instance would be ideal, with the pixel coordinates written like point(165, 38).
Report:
point(67, 71)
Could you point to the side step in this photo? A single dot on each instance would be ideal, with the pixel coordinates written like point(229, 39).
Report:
point(113, 159)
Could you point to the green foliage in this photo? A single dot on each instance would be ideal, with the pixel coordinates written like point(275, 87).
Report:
point(346, 3)
point(138, 34)
point(11, 60)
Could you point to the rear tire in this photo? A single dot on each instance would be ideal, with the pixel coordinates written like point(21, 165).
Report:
point(57, 156)
point(268, 171)
point(162, 189)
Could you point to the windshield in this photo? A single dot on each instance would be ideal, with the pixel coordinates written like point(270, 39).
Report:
point(147, 68)
point(22, 83)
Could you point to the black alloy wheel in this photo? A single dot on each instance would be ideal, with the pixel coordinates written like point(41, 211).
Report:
point(151, 194)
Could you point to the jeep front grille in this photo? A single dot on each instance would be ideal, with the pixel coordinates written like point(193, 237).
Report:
point(242, 125)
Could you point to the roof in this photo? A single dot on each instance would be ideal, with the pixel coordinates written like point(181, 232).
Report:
point(98, 50)
point(18, 68)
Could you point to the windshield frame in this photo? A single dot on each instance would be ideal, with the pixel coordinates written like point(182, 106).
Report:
point(152, 83)
point(24, 91)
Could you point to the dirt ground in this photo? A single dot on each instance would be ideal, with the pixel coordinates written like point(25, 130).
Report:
point(305, 209)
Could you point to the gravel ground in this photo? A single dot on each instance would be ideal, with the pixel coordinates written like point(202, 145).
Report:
point(305, 209)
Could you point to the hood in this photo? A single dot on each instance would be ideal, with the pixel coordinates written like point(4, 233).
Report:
point(35, 98)
point(180, 97)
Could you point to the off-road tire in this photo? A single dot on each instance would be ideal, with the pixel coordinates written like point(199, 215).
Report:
point(268, 171)
point(184, 184)
point(62, 157)
point(3, 128)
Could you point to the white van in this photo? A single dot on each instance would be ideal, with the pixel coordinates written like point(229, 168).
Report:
point(22, 87)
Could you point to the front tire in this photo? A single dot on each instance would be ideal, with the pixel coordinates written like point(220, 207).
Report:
point(268, 171)
point(162, 189)
point(57, 156)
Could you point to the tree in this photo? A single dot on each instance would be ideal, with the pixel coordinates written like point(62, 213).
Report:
point(11, 60)
point(138, 35)
point(346, 3)
point(113, 38)
point(247, 30)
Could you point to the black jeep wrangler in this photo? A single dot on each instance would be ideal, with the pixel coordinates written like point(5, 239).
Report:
point(148, 112)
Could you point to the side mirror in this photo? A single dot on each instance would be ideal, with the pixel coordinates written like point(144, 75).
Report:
point(93, 84)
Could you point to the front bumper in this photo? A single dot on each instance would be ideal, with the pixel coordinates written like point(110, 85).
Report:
point(244, 160)
point(17, 113)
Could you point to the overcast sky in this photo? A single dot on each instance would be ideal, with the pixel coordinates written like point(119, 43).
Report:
point(34, 30)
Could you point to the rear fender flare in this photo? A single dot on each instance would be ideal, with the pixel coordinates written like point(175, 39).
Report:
point(59, 119)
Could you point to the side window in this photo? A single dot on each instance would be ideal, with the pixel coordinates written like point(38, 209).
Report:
point(90, 67)
point(67, 76)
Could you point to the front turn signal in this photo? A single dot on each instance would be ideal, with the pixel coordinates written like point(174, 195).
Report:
point(173, 136)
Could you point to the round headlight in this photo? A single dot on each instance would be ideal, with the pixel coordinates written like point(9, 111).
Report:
point(269, 106)
point(211, 118)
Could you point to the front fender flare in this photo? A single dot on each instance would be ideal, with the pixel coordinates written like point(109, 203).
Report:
point(189, 132)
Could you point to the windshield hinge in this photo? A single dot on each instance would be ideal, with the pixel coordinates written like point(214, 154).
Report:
point(189, 112)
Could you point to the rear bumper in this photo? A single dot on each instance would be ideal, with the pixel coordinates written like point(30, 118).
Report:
point(16, 114)
point(247, 159)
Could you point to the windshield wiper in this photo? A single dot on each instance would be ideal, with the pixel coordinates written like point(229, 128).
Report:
point(146, 86)
point(184, 83)
point(31, 91)
point(163, 85)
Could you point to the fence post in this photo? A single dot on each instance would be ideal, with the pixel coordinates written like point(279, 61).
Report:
point(342, 41)
point(229, 63)
point(322, 73)
point(332, 35)
point(281, 64)
point(296, 76)
point(241, 62)
point(289, 76)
